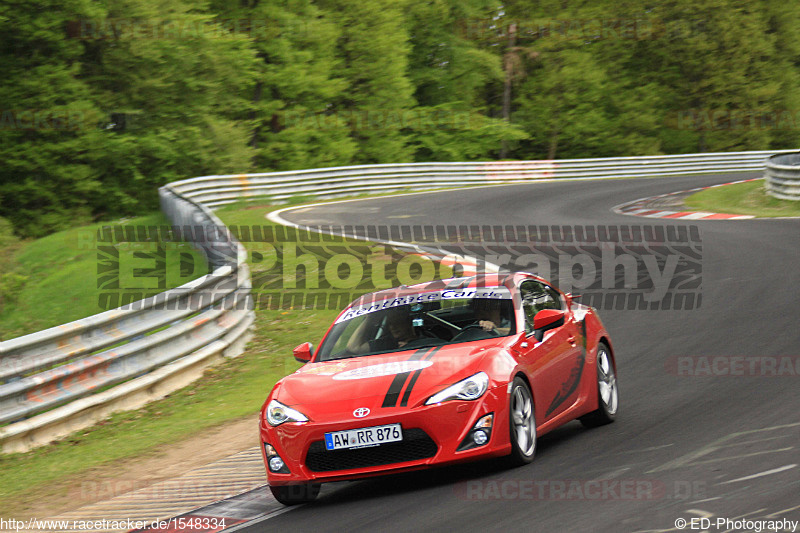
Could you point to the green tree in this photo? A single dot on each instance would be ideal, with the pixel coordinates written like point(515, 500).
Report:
point(102, 102)
point(716, 60)
point(575, 97)
point(452, 66)
point(373, 51)
point(296, 82)
point(48, 120)
point(180, 85)
point(783, 22)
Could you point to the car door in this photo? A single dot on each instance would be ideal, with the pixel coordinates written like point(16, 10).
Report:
point(555, 362)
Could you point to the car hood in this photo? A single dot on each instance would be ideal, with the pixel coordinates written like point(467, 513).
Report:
point(400, 380)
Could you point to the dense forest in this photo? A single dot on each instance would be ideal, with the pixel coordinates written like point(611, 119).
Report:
point(103, 101)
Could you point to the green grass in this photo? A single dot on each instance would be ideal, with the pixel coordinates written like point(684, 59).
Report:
point(228, 392)
point(53, 280)
point(747, 198)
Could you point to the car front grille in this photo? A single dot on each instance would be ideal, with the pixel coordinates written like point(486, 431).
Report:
point(416, 445)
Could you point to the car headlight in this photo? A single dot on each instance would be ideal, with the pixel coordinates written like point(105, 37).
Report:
point(471, 388)
point(277, 414)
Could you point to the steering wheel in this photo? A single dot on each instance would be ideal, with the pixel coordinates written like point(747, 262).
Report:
point(493, 332)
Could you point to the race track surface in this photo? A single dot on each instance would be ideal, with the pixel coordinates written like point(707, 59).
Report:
point(683, 446)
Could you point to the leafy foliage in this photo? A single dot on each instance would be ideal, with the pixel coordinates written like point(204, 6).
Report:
point(102, 102)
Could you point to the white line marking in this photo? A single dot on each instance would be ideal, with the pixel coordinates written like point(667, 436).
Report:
point(753, 441)
point(697, 215)
point(263, 518)
point(277, 512)
point(650, 449)
point(612, 474)
point(707, 500)
point(692, 457)
point(778, 513)
point(277, 217)
point(718, 459)
point(760, 474)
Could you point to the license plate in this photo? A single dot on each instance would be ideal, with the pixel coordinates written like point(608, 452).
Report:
point(363, 437)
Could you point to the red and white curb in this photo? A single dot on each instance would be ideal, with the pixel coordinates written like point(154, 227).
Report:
point(469, 265)
point(643, 207)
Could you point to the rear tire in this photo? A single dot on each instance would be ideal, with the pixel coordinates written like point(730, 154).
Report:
point(522, 423)
point(295, 494)
point(607, 393)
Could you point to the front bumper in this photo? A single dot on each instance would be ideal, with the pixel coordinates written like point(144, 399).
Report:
point(432, 435)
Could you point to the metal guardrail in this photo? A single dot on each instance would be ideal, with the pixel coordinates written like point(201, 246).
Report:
point(46, 376)
point(215, 191)
point(49, 380)
point(783, 176)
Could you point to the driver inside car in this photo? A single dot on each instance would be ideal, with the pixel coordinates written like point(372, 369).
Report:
point(489, 317)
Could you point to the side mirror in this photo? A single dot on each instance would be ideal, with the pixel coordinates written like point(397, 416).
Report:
point(548, 319)
point(303, 352)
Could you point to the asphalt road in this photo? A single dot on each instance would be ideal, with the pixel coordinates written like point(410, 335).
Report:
point(683, 446)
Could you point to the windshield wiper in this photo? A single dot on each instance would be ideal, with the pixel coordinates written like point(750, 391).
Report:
point(344, 356)
point(429, 345)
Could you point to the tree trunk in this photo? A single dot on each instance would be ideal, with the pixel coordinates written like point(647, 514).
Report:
point(551, 151)
point(509, 73)
point(253, 114)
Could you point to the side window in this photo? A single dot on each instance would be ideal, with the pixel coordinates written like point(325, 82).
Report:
point(535, 297)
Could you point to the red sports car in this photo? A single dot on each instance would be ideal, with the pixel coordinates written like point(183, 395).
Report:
point(437, 373)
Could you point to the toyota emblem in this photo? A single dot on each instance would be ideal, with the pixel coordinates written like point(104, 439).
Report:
point(361, 412)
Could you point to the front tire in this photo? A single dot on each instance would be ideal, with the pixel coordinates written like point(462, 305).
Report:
point(522, 423)
point(607, 394)
point(295, 494)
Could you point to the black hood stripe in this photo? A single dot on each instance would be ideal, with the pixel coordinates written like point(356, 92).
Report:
point(393, 394)
point(413, 380)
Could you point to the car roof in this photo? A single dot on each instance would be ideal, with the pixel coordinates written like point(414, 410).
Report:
point(479, 281)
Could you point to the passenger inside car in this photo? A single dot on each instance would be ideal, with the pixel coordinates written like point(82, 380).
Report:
point(369, 338)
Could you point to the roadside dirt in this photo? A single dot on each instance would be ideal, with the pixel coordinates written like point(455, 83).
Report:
point(132, 474)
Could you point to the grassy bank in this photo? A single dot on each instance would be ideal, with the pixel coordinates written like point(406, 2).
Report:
point(57, 279)
point(747, 198)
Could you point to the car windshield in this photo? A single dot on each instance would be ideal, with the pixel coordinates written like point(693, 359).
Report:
point(431, 319)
